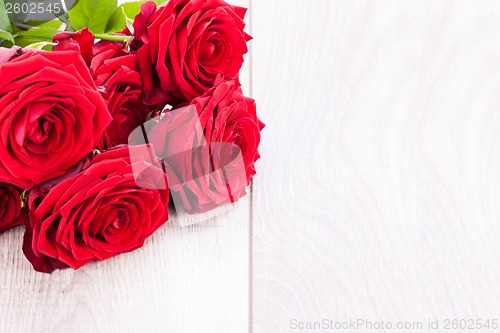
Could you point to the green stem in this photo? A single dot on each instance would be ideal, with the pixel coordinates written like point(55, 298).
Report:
point(23, 26)
point(113, 38)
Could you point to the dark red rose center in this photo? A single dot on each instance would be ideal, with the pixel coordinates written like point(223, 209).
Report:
point(38, 130)
point(208, 50)
point(120, 221)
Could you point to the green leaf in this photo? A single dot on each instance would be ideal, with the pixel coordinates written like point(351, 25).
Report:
point(41, 46)
point(56, 24)
point(34, 35)
point(130, 24)
point(93, 14)
point(6, 35)
point(64, 18)
point(21, 15)
point(123, 16)
point(4, 18)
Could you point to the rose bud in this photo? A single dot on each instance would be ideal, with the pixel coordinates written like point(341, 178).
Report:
point(183, 45)
point(11, 212)
point(109, 208)
point(51, 115)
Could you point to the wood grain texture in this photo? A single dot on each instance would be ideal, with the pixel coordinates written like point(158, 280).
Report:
point(192, 279)
point(378, 194)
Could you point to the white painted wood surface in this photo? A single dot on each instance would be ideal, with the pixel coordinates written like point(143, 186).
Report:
point(377, 195)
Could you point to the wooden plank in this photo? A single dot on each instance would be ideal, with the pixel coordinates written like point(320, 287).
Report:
point(191, 279)
point(378, 193)
point(183, 280)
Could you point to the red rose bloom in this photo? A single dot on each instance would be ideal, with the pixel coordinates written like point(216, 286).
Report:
point(111, 207)
point(189, 43)
point(116, 73)
point(51, 115)
point(11, 213)
point(209, 160)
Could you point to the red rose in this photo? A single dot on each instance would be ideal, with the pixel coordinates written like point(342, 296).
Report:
point(189, 43)
point(111, 207)
point(51, 115)
point(116, 73)
point(209, 160)
point(11, 213)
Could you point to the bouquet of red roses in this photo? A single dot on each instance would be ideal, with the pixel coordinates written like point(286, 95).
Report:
point(109, 113)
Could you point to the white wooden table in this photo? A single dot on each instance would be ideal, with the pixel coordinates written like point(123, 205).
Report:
point(377, 197)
